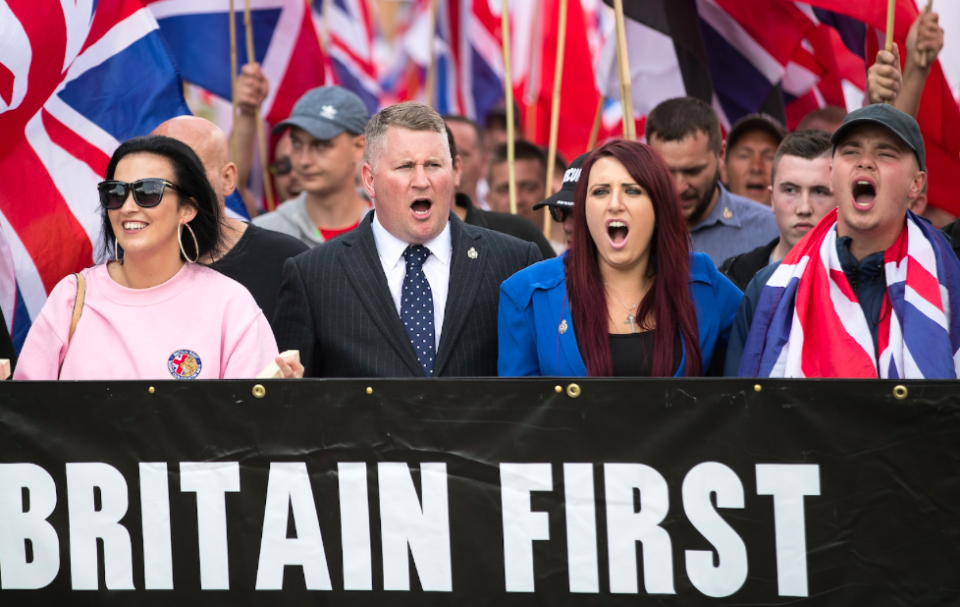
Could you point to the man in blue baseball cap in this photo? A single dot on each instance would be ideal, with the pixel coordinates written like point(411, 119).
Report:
point(326, 132)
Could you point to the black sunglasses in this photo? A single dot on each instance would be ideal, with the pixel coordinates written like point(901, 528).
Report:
point(146, 192)
point(559, 214)
point(281, 167)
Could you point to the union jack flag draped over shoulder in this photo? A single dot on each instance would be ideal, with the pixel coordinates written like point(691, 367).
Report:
point(809, 323)
point(77, 77)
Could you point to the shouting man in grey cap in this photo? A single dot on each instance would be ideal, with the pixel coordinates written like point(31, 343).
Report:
point(326, 132)
point(872, 290)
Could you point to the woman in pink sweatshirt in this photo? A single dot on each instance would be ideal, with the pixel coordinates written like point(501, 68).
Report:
point(150, 311)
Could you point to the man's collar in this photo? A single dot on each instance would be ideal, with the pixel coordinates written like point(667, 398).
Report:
point(724, 211)
point(390, 248)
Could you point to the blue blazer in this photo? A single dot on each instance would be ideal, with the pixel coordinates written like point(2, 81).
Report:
point(534, 305)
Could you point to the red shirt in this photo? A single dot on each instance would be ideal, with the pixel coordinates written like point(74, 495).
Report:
point(328, 234)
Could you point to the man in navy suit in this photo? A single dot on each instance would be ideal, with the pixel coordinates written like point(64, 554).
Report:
point(413, 291)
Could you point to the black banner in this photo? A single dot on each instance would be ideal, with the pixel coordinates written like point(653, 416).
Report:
point(492, 492)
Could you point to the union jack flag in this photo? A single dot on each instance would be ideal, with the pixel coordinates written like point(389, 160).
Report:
point(809, 323)
point(347, 26)
point(285, 45)
point(76, 79)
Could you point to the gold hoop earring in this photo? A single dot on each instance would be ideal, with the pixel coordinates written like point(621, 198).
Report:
point(195, 243)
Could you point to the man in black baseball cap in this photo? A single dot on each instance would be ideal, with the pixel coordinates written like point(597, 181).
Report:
point(326, 132)
point(878, 170)
point(561, 203)
point(748, 163)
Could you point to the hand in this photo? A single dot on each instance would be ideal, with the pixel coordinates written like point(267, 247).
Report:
point(289, 367)
point(924, 40)
point(884, 79)
point(252, 88)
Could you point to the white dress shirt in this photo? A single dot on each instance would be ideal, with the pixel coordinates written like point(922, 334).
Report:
point(436, 268)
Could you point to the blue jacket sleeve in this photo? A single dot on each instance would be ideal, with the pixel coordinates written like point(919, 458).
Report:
point(517, 336)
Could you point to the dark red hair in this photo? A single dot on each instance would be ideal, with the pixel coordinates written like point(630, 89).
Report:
point(668, 299)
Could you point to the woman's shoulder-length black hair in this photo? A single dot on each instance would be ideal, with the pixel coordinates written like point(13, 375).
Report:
point(193, 188)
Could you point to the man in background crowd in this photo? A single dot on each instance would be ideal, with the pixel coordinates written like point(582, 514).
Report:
point(530, 174)
point(413, 291)
point(252, 90)
point(326, 134)
point(469, 138)
point(560, 204)
point(751, 145)
point(505, 223)
point(801, 196)
point(686, 133)
point(251, 255)
point(828, 118)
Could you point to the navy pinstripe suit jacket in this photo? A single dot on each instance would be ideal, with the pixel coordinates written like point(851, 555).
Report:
point(335, 306)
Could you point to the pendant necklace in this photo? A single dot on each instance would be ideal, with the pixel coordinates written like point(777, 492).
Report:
point(631, 319)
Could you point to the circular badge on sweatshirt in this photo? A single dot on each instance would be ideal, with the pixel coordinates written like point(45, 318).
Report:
point(184, 364)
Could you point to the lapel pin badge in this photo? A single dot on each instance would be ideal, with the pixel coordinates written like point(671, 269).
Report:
point(472, 253)
point(727, 213)
point(563, 327)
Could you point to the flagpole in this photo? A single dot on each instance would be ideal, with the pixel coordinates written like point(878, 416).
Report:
point(555, 110)
point(623, 63)
point(261, 137)
point(891, 4)
point(432, 65)
point(233, 81)
point(508, 94)
point(530, 118)
point(595, 130)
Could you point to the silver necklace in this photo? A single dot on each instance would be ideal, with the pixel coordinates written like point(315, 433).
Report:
point(631, 319)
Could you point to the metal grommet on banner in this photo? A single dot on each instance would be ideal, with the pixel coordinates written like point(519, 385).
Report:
point(369, 390)
point(558, 389)
point(900, 392)
point(259, 391)
point(151, 390)
point(573, 390)
point(757, 387)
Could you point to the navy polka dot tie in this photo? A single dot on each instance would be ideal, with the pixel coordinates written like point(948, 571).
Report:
point(416, 307)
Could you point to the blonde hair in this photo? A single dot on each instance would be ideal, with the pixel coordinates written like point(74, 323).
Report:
point(409, 115)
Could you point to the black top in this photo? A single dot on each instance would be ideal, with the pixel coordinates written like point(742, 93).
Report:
point(6, 344)
point(741, 269)
point(953, 231)
point(256, 262)
point(505, 223)
point(632, 354)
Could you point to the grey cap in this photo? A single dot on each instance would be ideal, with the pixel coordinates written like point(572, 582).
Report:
point(564, 198)
point(900, 124)
point(755, 122)
point(327, 111)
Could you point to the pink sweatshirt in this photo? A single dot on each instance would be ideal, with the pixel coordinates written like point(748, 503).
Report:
point(197, 325)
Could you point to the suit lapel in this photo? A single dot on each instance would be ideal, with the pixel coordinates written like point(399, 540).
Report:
point(365, 272)
point(466, 272)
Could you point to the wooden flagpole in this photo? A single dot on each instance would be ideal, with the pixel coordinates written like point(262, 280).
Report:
point(595, 130)
point(508, 94)
point(891, 4)
point(261, 136)
point(432, 64)
point(623, 63)
point(233, 81)
point(555, 111)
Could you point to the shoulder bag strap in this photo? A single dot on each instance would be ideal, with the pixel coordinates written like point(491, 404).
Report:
point(77, 311)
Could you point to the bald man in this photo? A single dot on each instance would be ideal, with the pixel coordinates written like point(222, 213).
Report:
point(251, 255)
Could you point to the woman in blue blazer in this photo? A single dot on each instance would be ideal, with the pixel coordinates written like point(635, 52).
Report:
point(628, 298)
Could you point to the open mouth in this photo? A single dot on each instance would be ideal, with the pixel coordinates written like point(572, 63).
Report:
point(421, 206)
point(864, 193)
point(617, 233)
point(756, 188)
point(133, 226)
